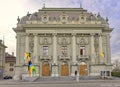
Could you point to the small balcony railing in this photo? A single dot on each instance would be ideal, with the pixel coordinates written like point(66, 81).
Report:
point(45, 57)
point(82, 57)
point(62, 57)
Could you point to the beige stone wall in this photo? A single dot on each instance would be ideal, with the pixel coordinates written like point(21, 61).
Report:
point(7, 70)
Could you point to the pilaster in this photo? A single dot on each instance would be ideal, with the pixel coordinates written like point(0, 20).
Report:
point(54, 48)
point(35, 53)
point(108, 50)
point(18, 50)
point(27, 43)
point(100, 49)
point(92, 49)
point(73, 48)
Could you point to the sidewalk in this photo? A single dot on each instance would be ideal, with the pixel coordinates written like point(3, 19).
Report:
point(12, 82)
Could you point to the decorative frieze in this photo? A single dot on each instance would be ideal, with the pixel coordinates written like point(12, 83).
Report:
point(64, 40)
point(83, 40)
point(45, 40)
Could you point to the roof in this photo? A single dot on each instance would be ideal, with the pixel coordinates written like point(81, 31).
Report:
point(55, 13)
point(9, 58)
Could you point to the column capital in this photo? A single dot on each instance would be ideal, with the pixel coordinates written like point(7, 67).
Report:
point(73, 34)
point(54, 34)
point(27, 34)
point(99, 34)
point(35, 34)
point(92, 34)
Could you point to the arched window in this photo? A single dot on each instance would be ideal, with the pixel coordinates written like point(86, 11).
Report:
point(45, 19)
point(82, 19)
point(63, 19)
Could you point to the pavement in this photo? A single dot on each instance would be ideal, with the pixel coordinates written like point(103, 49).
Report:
point(115, 82)
point(60, 81)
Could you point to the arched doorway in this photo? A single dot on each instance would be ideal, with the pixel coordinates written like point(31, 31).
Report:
point(64, 69)
point(83, 69)
point(45, 69)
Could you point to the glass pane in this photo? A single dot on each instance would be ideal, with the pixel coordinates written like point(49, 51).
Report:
point(64, 50)
point(45, 50)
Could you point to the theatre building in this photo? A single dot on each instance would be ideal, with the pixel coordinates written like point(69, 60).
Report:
point(62, 41)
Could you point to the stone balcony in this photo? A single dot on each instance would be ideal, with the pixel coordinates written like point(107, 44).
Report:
point(82, 57)
point(45, 57)
point(62, 57)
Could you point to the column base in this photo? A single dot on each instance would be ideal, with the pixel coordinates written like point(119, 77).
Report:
point(94, 74)
point(17, 77)
point(55, 75)
point(55, 72)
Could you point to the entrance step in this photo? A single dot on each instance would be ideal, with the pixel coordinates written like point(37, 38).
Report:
point(30, 79)
point(63, 78)
point(89, 77)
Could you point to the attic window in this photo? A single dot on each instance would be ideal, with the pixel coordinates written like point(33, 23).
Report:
point(45, 19)
point(63, 19)
point(54, 19)
point(73, 18)
point(82, 19)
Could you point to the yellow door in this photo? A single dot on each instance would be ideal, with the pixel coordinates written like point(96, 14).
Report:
point(45, 69)
point(64, 70)
point(83, 70)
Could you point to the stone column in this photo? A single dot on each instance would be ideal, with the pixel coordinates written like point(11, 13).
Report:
point(100, 49)
point(73, 48)
point(18, 50)
point(92, 49)
point(55, 65)
point(54, 48)
point(35, 54)
point(27, 43)
point(108, 53)
point(74, 61)
point(18, 69)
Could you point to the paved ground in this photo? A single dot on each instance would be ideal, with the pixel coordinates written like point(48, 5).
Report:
point(64, 85)
point(82, 83)
point(72, 83)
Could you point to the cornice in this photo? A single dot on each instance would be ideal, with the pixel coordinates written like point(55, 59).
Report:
point(62, 25)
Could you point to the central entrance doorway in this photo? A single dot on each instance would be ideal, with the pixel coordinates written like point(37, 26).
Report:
point(45, 69)
point(83, 69)
point(64, 69)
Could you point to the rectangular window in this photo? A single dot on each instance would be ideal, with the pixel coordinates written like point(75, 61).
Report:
point(11, 69)
point(11, 64)
point(82, 50)
point(45, 50)
point(64, 50)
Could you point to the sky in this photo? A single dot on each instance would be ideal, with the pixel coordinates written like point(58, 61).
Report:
point(11, 9)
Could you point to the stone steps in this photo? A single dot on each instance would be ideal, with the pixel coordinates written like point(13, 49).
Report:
point(55, 79)
point(67, 78)
point(62, 78)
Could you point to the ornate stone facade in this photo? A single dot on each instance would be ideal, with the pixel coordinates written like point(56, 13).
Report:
point(62, 41)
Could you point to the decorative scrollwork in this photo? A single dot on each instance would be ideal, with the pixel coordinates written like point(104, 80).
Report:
point(82, 40)
point(45, 40)
point(64, 40)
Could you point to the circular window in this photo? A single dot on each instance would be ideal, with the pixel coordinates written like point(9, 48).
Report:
point(45, 19)
point(63, 19)
point(82, 19)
